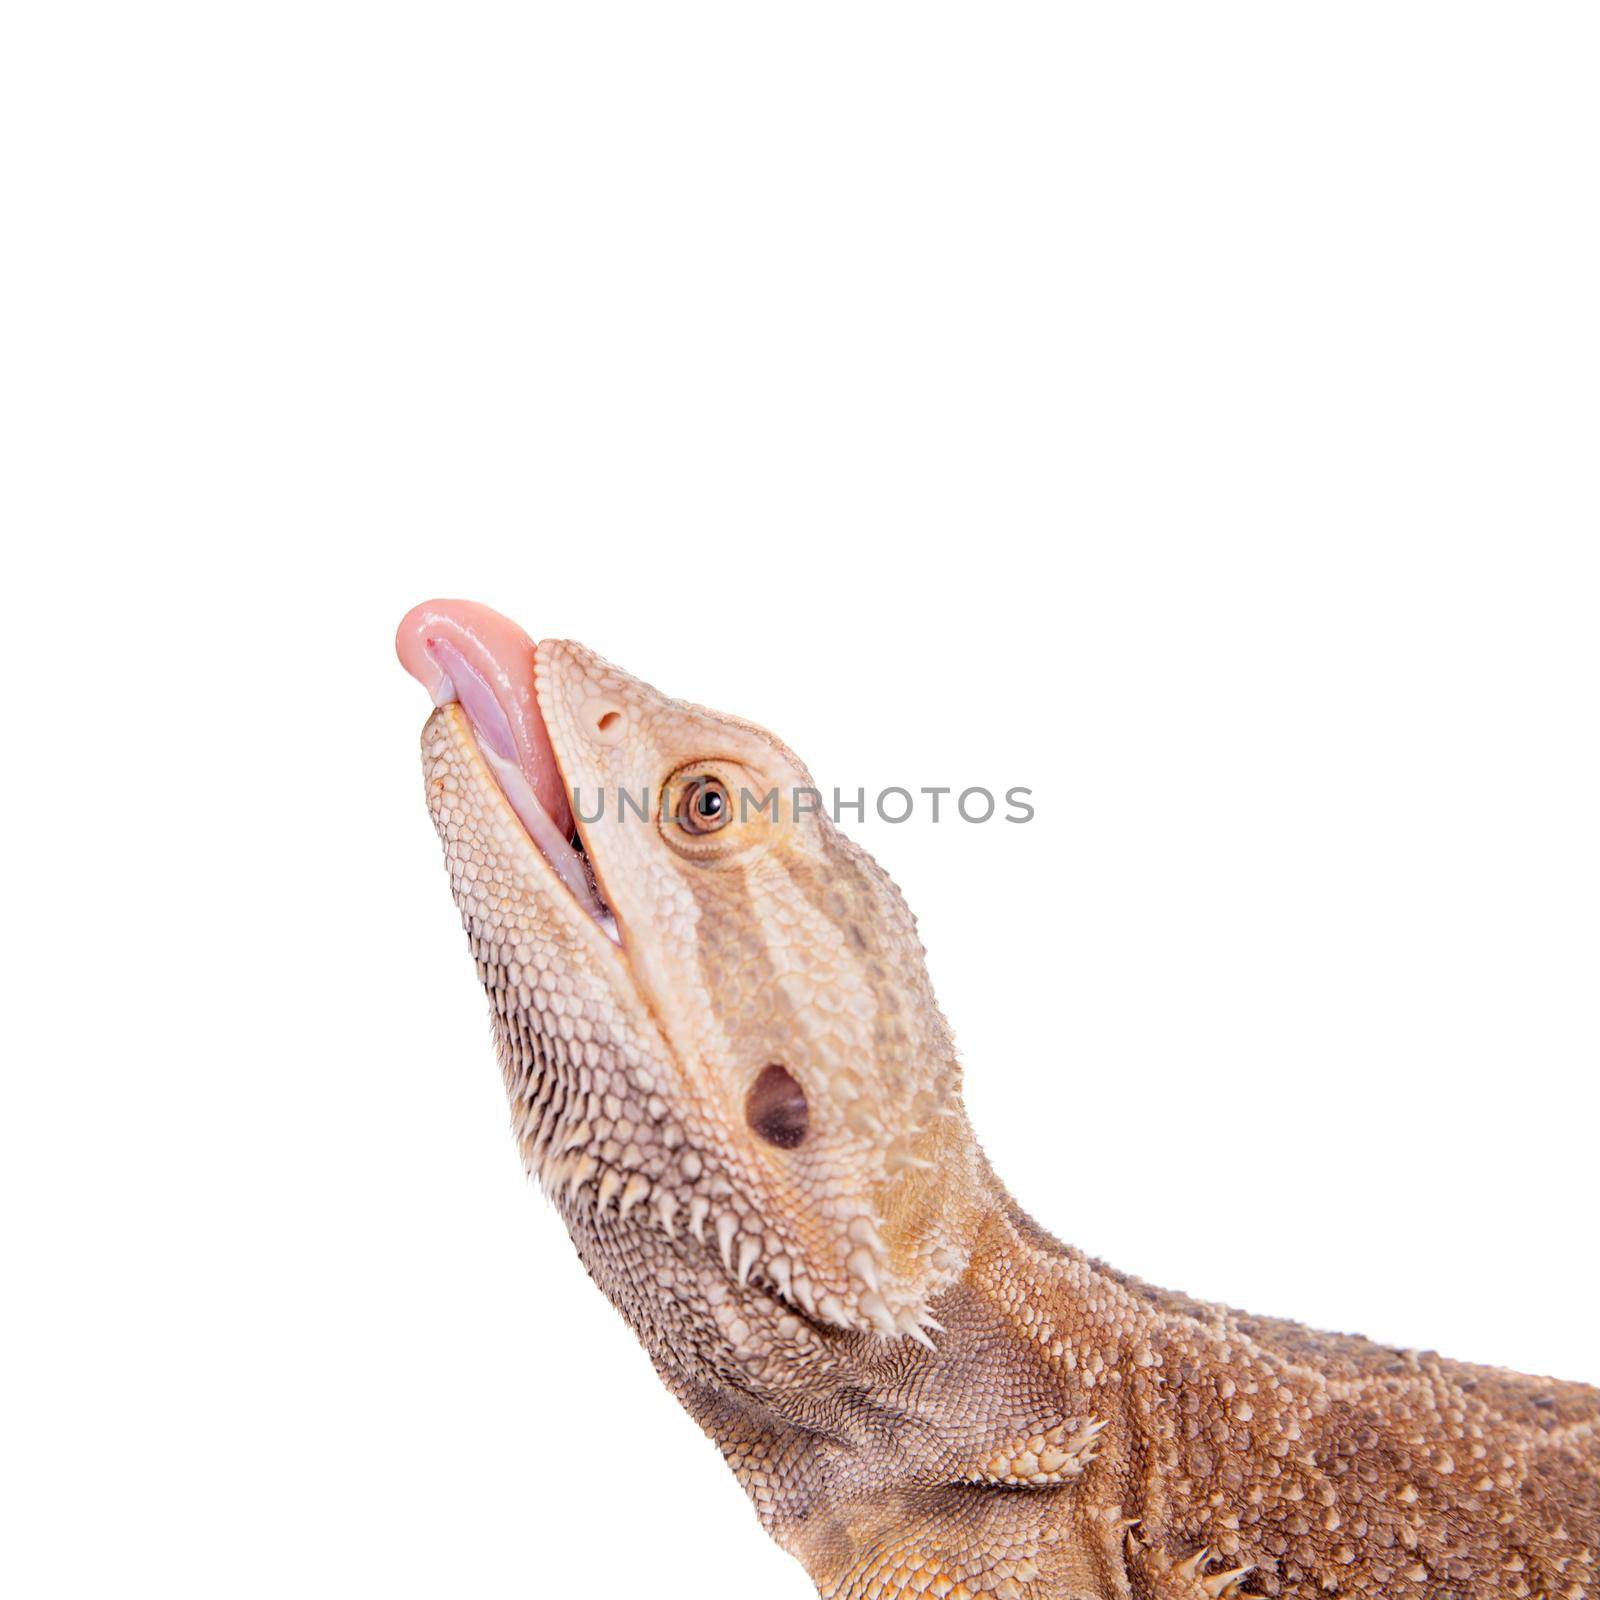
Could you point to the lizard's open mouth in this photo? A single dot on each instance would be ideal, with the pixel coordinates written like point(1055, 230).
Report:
point(465, 653)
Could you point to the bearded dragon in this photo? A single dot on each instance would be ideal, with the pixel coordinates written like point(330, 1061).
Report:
point(727, 1069)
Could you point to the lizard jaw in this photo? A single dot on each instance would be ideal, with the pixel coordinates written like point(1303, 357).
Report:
point(469, 656)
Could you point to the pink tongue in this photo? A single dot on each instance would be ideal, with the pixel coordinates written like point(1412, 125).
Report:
point(458, 650)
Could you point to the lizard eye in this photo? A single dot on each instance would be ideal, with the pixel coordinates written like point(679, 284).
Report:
point(776, 1107)
point(704, 806)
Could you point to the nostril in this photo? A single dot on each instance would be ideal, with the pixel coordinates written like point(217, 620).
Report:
point(776, 1107)
point(607, 720)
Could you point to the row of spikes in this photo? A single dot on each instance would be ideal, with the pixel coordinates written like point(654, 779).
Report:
point(1223, 1585)
point(574, 1173)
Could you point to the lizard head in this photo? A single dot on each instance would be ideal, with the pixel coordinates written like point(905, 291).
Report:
point(711, 1007)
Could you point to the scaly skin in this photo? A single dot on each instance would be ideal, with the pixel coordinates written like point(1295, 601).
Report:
point(922, 1392)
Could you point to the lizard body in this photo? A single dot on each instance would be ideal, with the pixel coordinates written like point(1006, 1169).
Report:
point(727, 1068)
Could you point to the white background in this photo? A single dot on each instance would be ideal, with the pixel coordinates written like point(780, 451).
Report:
point(1189, 413)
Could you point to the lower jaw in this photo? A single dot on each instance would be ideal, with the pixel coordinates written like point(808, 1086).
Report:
point(565, 862)
point(563, 859)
